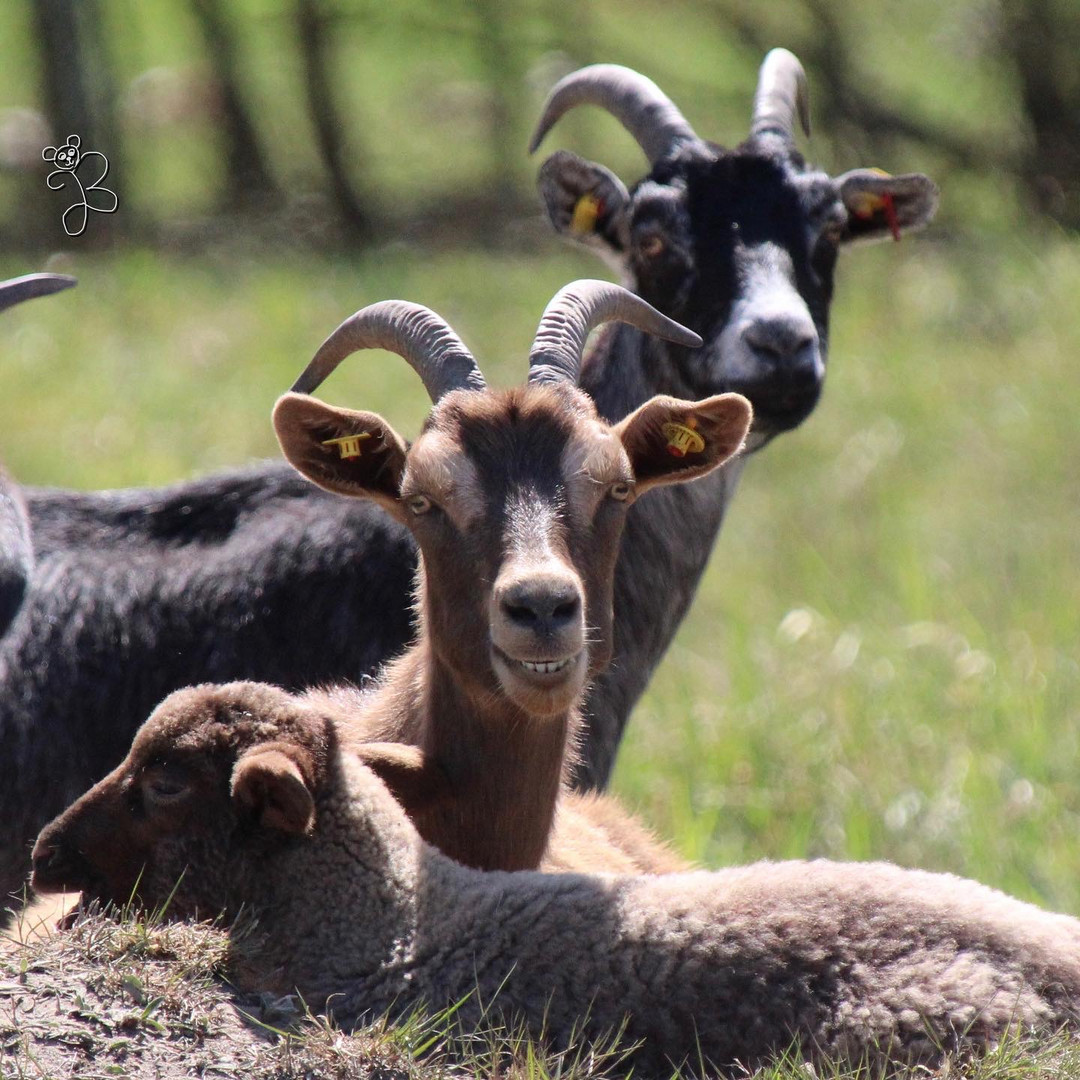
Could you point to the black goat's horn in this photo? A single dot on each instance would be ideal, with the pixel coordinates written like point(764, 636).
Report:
point(635, 101)
point(412, 331)
point(782, 91)
point(579, 307)
point(16, 290)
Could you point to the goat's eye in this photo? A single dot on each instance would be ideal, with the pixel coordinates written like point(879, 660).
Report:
point(652, 245)
point(418, 504)
point(620, 490)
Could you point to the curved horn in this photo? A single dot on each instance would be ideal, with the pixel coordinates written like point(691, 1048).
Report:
point(16, 290)
point(635, 101)
point(782, 91)
point(412, 331)
point(579, 307)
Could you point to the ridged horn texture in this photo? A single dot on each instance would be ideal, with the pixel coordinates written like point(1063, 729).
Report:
point(782, 91)
point(635, 101)
point(16, 290)
point(578, 308)
point(412, 331)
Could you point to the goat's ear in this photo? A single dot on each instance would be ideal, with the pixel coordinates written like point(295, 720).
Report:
point(867, 195)
point(669, 440)
point(342, 450)
point(268, 783)
point(585, 202)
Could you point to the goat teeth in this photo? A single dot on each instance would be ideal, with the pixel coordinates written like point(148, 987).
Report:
point(544, 667)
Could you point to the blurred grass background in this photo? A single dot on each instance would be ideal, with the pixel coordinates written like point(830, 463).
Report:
point(882, 661)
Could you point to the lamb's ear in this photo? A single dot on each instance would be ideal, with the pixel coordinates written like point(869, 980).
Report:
point(669, 440)
point(585, 202)
point(342, 450)
point(268, 783)
point(868, 195)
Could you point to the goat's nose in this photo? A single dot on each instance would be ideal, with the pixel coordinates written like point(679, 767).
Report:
point(786, 339)
point(544, 606)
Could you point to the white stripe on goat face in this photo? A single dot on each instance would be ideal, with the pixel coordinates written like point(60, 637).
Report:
point(769, 320)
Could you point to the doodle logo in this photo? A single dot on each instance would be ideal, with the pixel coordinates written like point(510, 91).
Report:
point(70, 163)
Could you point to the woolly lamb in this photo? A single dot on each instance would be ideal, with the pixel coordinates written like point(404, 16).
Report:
point(270, 816)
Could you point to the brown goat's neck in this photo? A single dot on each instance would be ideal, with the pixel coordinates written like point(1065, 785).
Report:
point(494, 773)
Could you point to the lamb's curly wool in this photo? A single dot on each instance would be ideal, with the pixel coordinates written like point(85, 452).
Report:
point(361, 916)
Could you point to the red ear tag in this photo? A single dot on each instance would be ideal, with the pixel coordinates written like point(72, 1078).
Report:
point(348, 445)
point(890, 215)
point(682, 438)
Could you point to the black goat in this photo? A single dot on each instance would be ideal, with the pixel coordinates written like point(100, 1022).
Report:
point(257, 575)
point(739, 245)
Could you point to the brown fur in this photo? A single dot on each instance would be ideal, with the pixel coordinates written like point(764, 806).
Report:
point(518, 487)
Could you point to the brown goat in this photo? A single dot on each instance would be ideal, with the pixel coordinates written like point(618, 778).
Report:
point(517, 500)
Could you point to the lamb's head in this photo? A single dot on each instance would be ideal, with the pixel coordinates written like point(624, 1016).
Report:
point(516, 498)
point(215, 777)
point(740, 245)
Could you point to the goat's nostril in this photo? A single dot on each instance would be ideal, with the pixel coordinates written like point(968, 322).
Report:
point(520, 613)
point(541, 608)
point(566, 610)
point(781, 339)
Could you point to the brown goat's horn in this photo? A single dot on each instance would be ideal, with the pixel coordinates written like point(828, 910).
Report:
point(16, 290)
point(579, 307)
point(412, 331)
point(635, 101)
point(782, 91)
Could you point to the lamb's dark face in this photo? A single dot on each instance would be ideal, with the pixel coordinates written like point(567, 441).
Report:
point(172, 824)
point(740, 246)
point(517, 500)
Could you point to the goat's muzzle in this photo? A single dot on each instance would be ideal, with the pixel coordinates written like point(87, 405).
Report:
point(538, 638)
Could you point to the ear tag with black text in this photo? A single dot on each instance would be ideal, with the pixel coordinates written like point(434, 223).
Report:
point(348, 445)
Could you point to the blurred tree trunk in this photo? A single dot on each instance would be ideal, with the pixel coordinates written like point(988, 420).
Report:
point(311, 23)
point(77, 85)
point(248, 178)
point(501, 65)
point(1042, 39)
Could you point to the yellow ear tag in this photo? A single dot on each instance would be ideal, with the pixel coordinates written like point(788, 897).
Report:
point(586, 211)
point(349, 445)
point(683, 439)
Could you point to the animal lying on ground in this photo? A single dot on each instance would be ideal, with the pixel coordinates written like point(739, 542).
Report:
point(271, 815)
point(16, 548)
point(516, 500)
point(256, 574)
